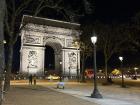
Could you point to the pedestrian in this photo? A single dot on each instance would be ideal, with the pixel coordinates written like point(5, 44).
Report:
point(30, 80)
point(34, 79)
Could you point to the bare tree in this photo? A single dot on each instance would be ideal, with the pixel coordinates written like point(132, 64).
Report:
point(134, 30)
point(111, 39)
point(85, 47)
point(12, 19)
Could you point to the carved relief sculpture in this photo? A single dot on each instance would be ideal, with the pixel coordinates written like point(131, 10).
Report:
point(72, 60)
point(32, 59)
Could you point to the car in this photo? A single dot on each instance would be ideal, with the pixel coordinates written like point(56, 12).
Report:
point(53, 77)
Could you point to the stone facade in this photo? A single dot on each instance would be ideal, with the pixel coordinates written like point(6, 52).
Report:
point(35, 35)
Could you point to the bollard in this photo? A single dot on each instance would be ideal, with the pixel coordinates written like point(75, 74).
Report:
point(61, 85)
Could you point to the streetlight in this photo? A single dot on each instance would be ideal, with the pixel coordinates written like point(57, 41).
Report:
point(135, 68)
point(76, 43)
point(95, 93)
point(121, 59)
point(2, 42)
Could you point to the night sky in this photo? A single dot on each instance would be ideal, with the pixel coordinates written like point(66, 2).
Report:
point(116, 10)
point(120, 11)
point(107, 11)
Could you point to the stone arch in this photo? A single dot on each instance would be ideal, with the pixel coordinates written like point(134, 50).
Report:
point(53, 39)
point(59, 35)
point(57, 46)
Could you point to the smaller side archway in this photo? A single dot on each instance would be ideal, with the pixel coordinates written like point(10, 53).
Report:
point(49, 59)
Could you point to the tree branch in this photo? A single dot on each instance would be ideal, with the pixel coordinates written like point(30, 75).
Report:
point(22, 7)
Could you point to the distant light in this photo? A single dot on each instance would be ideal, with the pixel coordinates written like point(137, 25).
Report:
point(60, 63)
point(94, 39)
point(100, 71)
point(121, 58)
point(4, 41)
point(76, 42)
point(135, 68)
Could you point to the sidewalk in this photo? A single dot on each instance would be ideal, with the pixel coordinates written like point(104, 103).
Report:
point(112, 95)
point(38, 95)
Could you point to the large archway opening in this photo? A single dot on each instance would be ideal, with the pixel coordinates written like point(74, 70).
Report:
point(53, 57)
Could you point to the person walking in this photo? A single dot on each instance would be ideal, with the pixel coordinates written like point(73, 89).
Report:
point(34, 79)
point(30, 80)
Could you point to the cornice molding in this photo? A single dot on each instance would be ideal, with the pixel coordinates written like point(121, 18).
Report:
point(51, 30)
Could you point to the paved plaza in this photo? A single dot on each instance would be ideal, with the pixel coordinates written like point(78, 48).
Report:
point(46, 93)
point(112, 95)
point(30, 95)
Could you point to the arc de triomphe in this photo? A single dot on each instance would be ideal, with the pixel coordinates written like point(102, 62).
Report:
point(59, 35)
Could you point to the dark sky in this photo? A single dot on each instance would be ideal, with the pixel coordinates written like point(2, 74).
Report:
point(106, 11)
point(120, 11)
point(116, 10)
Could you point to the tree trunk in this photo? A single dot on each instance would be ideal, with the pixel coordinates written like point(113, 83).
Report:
point(2, 57)
point(106, 70)
point(2, 14)
point(106, 67)
point(9, 66)
point(83, 69)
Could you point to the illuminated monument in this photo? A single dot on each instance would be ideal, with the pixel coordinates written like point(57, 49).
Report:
point(59, 35)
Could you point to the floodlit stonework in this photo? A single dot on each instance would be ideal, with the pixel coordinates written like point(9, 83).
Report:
point(60, 35)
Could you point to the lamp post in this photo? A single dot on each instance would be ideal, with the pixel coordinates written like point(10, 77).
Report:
point(121, 60)
point(135, 68)
point(95, 93)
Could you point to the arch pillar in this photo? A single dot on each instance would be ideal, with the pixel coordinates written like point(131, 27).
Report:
point(32, 60)
point(70, 61)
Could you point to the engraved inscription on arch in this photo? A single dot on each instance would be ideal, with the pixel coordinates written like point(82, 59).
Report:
point(32, 39)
